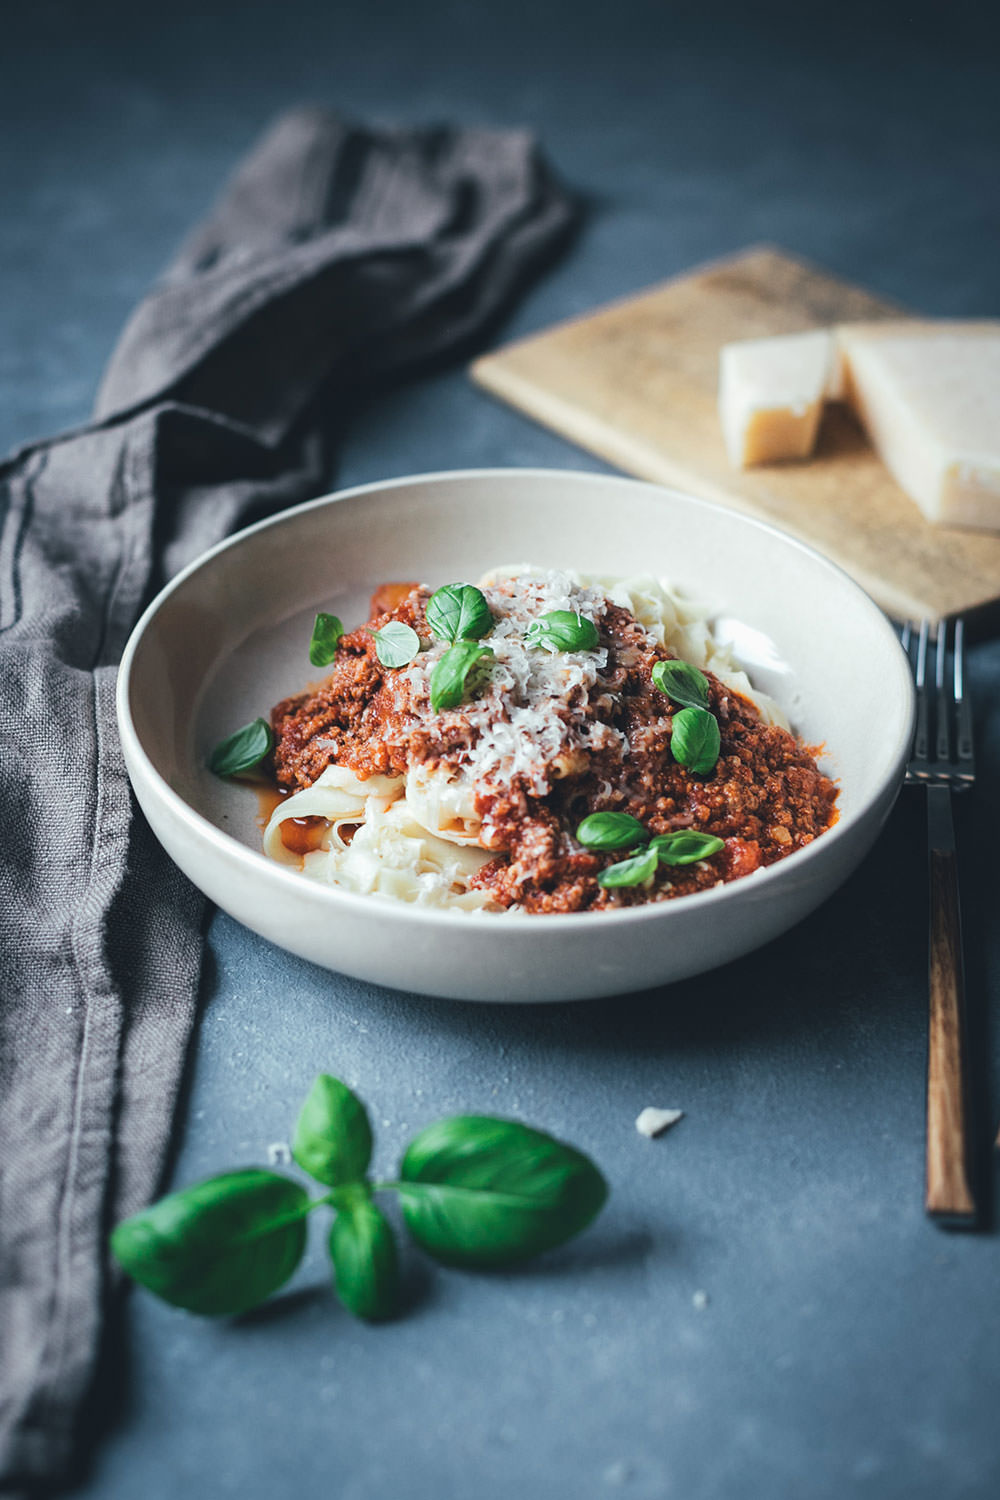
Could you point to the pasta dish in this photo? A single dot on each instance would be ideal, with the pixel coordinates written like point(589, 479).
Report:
point(541, 741)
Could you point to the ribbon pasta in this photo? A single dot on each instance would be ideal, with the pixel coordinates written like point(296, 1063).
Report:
point(416, 838)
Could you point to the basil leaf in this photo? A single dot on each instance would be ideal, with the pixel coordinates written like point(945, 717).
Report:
point(333, 1136)
point(325, 638)
point(685, 846)
point(450, 673)
point(634, 871)
point(694, 740)
point(396, 644)
point(483, 1192)
point(682, 683)
point(365, 1262)
point(459, 612)
point(242, 750)
point(610, 830)
point(562, 630)
point(219, 1247)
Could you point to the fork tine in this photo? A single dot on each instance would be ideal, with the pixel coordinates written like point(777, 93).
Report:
point(962, 703)
point(943, 736)
point(920, 736)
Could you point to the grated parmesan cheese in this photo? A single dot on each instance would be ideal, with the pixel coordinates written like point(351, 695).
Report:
point(528, 717)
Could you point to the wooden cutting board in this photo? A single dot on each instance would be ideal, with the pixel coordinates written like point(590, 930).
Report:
point(635, 382)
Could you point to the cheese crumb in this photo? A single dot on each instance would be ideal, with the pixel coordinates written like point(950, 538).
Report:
point(653, 1122)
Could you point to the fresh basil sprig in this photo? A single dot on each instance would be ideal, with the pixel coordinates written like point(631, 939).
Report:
point(694, 740)
point(682, 846)
point(327, 631)
point(634, 871)
point(396, 644)
point(682, 683)
point(450, 673)
point(242, 750)
point(611, 830)
point(459, 612)
point(562, 630)
point(685, 846)
point(474, 1191)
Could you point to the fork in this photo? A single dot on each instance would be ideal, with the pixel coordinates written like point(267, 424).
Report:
point(942, 760)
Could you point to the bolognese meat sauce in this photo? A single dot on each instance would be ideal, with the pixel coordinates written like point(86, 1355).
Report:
point(603, 742)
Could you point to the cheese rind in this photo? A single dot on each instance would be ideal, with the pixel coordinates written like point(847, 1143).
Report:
point(771, 394)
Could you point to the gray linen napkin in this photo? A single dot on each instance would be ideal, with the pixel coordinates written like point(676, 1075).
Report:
point(337, 255)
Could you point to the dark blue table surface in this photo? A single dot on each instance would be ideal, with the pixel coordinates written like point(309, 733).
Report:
point(762, 1310)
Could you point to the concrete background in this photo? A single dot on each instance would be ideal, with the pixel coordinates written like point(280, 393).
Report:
point(846, 1346)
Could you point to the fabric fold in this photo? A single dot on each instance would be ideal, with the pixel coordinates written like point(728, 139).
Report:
point(337, 255)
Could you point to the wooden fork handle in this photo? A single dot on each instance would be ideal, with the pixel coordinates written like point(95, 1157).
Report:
point(949, 1192)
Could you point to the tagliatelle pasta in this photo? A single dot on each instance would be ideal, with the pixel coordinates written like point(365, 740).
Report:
point(475, 805)
point(390, 850)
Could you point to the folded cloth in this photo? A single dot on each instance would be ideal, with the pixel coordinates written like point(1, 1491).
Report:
point(338, 254)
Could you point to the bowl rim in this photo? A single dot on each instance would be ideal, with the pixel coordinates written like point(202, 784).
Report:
point(140, 765)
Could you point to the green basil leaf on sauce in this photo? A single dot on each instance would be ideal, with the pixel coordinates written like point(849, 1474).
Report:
point(562, 630)
point(682, 683)
point(611, 830)
point(325, 638)
point(477, 1191)
point(396, 644)
point(695, 740)
point(333, 1136)
point(365, 1262)
point(459, 612)
point(634, 871)
point(220, 1247)
point(242, 750)
point(685, 846)
point(449, 676)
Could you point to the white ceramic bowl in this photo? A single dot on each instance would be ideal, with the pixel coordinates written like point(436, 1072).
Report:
point(228, 638)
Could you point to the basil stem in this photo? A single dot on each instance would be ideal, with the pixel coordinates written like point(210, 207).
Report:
point(610, 830)
point(695, 740)
point(396, 644)
point(459, 612)
point(333, 1135)
point(449, 676)
point(482, 1192)
point(685, 846)
point(365, 1262)
point(634, 871)
point(682, 683)
point(563, 630)
point(219, 1247)
point(327, 631)
point(242, 750)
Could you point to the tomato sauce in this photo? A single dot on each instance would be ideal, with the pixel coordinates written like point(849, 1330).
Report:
point(765, 797)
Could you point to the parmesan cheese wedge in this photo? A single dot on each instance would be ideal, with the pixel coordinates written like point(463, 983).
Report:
point(926, 392)
point(928, 396)
point(771, 394)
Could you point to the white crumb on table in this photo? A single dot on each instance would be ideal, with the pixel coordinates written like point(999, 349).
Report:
point(700, 1300)
point(279, 1154)
point(652, 1122)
